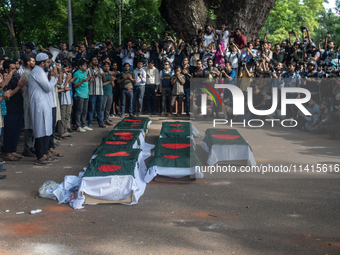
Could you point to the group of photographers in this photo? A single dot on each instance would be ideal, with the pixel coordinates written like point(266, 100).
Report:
point(167, 65)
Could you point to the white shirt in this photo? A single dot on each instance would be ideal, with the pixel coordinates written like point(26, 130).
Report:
point(209, 38)
point(139, 81)
point(153, 75)
point(225, 38)
point(65, 96)
point(233, 58)
point(39, 88)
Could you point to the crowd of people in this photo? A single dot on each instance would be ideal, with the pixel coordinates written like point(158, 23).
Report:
point(49, 96)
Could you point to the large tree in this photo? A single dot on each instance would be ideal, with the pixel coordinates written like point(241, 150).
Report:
point(187, 17)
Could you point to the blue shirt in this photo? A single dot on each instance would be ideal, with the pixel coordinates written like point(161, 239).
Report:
point(290, 81)
point(232, 74)
point(86, 55)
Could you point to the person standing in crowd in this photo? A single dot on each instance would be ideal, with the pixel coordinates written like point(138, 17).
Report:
point(143, 55)
point(238, 38)
point(210, 72)
point(127, 55)
point(186, 71)
point(14, 118)
point(83, 54)
point(138, 87)
point(81, 97)
point(97, 77)
point(177, 93)
point(29, 151)
point(234, 57)
point(115, 90)
point(210, 35)
point(219, 59)
point(65, 79)
point(293, 80)
point(107, 89)
point(165, 84)
point(194, 52)
point(64, 54)
point(154, 53)
point(224, 35)
point(39, 88)
point(126, 79)
point(199, 70)
point(152, 78)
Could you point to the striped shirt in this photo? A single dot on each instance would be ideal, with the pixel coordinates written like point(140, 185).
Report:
point(95, 86)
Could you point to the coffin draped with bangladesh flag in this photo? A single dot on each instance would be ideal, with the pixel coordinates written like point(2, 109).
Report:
point(121, 139)
point(131, 123)
point(114, 162)
point(178, 129)
point(226, 145)
point(173, 157)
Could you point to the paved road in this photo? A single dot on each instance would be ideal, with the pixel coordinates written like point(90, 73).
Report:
point(219, 215)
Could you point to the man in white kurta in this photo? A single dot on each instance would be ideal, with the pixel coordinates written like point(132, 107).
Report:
point(39, 87)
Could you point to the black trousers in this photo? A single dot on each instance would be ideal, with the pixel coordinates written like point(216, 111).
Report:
point(41, 146)
point(54, 117)
point(12, 129)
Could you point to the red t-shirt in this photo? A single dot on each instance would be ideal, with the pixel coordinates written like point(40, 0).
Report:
point(239, 40)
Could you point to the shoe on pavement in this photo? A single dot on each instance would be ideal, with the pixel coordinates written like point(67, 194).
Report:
point(108, 123)
point(178, 115)
point(169, 114)
point(131, 115)
point(154, 113)
point(86, 128)
point(138, 114)
point(79, 129)
point(102, 126)
point(163, 113)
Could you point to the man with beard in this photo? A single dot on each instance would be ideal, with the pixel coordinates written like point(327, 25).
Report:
point(126, 86)
point(39, 88)
point(238, 38)
point(29, 63)
point(97, 78)
point(328, 54)
point(143, 55)
point(211, 72)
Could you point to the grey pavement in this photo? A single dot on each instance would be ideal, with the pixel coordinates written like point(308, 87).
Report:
point(254, 215)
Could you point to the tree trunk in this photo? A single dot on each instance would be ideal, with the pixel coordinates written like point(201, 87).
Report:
point(187, 17)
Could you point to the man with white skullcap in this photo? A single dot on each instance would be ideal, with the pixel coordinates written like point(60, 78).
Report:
point(39, 87)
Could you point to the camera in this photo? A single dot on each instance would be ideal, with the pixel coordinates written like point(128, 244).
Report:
point(303, 29)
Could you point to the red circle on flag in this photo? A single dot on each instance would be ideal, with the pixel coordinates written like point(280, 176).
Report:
point(176, 125)
point(226, 137)
point(176, 145)
point(131, 120)
point(171, 156)
point(118, 154)
point(122, 133)
point(126, 137)
point(115, 142)
point(109, 168)
point(177, 130)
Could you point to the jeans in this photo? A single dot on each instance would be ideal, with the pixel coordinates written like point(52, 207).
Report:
point(187, 99)
point(138, 94)
point(95, 104)
point(126, 98)
point(166, 95)
point(107, 103)
point(81, 105)
point(150, 92)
